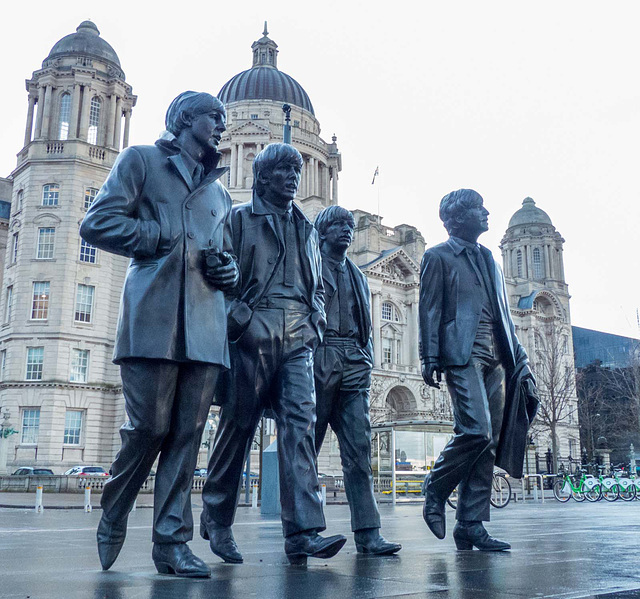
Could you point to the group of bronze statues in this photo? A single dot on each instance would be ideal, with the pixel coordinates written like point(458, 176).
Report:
point(254, 308)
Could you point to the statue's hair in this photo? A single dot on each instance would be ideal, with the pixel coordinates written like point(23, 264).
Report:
point(456, 203)
point(269, 158)
point(187, 105)
point(330, 215)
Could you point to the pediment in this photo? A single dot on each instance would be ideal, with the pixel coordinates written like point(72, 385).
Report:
point(394, 266)
point(249, 128)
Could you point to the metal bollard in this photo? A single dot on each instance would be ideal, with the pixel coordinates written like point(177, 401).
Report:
point(254, 497)
point(87, 499)
point(324, 495)
point(39, 506)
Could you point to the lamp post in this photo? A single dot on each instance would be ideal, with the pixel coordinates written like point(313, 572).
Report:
point(6, 429)
point(287, 123)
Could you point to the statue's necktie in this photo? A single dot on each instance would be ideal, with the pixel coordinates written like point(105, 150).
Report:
point(343, 327)
point(290, 250)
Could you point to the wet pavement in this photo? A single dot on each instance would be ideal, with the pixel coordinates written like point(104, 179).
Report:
point(559, 550)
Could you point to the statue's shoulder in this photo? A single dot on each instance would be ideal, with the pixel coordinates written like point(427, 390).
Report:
point(440, 249)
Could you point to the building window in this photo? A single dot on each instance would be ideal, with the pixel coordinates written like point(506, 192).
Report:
point(46, 237)
point(79, 366)
point(50, 194)
point(3, 364)
point(90, 194)
point(72, 427)
point(19, 200)
point(84, 303)
point(14, 249)
point(389, 312)
point(65, 114)
point(87, 252)
point(386, 351)
point(254, 117)
point(8, 304)
point(519, 262)
point(40, 301)
point(30, 426)
point(35, 359)
point(296, 123)
point(94, 120)
point(537, 263)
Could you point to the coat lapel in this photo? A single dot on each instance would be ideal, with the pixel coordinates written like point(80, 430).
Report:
point(178, 165)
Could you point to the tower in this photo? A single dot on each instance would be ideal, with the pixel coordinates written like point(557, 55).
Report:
point(532, 255)
point(60, 295)
point(254, 100)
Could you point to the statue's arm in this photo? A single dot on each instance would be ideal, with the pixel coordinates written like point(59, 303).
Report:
point(112, 222)
point(430, 316)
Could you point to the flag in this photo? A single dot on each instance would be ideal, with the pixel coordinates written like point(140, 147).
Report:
point(375, 175)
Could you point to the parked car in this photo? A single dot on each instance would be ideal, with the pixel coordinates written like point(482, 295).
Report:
point(200, 472)
point(31, 471)
point(87, 471)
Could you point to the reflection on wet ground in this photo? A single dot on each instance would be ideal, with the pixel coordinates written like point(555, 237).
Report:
point(569, 551)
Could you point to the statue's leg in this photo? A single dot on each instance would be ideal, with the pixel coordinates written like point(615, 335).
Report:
point(173, 519)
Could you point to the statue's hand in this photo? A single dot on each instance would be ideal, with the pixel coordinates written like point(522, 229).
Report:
point(224, 275)
point(431, 372)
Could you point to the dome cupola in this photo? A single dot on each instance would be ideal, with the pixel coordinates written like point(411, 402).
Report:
point(86, 42)
point(529, 214)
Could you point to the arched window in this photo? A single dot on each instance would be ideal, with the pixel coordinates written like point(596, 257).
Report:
point(90, 194)
point(65, 116)
point(537, 263)
point(390, 312)
point(19, 200)
point(94, 120)
point(519, 262)
point(50, 194)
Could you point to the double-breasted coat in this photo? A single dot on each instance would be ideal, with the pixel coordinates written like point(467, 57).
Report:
point(150, 210)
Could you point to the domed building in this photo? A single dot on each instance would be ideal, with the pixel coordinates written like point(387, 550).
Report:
point(254, 100)
point(539, 298)
point(60, 295)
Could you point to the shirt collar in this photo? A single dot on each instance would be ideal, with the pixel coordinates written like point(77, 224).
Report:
point(260, 206)
point(335, 264)
point(473, 247)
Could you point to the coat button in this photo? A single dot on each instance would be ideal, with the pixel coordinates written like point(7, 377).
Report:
point(271, 260)
point(213, 212)
point(190, 235)
point(188, 205)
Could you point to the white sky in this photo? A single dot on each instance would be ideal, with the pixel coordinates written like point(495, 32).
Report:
point(510, 98)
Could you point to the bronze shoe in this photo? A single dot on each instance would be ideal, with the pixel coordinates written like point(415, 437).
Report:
point(468, 535)
point(178, 559)
point(306, 544)
point(222, 543)
point(110, 537)
point(369, 540)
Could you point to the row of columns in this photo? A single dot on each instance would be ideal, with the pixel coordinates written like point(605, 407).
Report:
point(317, 178)
point(110, 127)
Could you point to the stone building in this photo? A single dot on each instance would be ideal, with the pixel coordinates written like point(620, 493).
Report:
point(60, 296)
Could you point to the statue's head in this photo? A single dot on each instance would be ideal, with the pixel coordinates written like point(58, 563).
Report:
point(188, 106)
point(335, 226)
point(276, 173)
point(464, 214)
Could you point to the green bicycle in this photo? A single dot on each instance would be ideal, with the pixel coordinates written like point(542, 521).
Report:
point(587, 487)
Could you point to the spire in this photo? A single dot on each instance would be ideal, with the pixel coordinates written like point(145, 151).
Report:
point(265, 51)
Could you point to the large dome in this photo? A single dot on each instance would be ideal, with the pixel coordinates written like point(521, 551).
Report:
point(85, 41)
point(529, 214)
point(265, 83)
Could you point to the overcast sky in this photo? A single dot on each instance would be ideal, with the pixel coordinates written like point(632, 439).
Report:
point(513, 99)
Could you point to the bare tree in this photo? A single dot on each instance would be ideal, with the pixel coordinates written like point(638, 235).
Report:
point(556, 381)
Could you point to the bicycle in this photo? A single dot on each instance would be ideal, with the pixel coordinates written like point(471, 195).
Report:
point(626, 487)
point(500, 492)
point(587, 487)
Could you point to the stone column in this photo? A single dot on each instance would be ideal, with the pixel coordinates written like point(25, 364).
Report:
point(84, 113)
point(117, 125)
point(410, 340)
point(240, 172)
point(127, 123)
point(312, 176)
point(75, 112)
point(40, 102)
point(334, 182)
point(29, 126)
point(316, 178)
point(46, 113)
point(528, 263)
point(326, 183)
point(377, 339)
point(233, 164)
point(111, 121)
point(547, 257)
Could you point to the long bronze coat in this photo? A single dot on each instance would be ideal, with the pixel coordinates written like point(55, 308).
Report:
point(149, 210)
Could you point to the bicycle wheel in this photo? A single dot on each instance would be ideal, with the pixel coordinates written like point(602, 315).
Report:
point(562, 490)
point(610, 492)
point(500, 491)
point(578, 495)
point(627, 490)
point(452, 500)
point(594, 493)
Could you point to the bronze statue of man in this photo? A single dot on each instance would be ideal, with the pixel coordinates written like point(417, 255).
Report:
point(466, 332)
point(276, 321)
point(342, 365)
point(164, 207)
